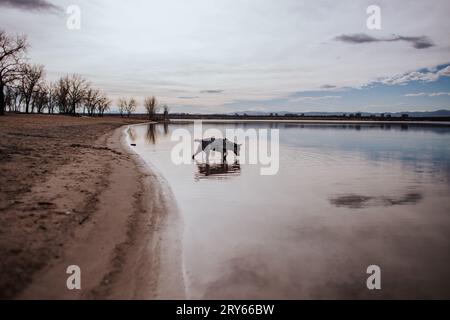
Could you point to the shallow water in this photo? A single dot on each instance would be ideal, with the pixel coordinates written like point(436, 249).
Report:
point(345, 197)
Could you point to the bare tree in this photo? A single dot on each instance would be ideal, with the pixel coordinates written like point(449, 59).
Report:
point(127, 106)
point(40, 98)
point(10, 98)
point(96, 101)
point(61, 92)
point(32, 79)
point(51, 97)
point(92, 100)
point(13, 98)
point(131, 106)
point(12, 57)
point(151, 106)
point(123, 103)
point(77, 92)
point(104, 105)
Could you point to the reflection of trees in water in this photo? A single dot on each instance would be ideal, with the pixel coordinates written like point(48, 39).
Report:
point(154, 130)
point(217, 170)
point(150, 135)
point(132, 133)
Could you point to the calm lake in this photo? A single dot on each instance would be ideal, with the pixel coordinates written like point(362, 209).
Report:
point(346, 196)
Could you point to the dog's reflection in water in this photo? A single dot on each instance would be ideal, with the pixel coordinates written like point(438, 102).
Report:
point(219, 171)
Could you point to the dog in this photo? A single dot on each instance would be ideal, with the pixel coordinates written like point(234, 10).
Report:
point(217, 145)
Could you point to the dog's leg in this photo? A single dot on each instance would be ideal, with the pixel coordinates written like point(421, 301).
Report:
point(199, 149)
point(207, 150)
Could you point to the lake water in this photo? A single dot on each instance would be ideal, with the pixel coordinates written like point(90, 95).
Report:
point(346, 196)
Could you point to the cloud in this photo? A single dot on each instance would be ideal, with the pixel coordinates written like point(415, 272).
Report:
point(355, 38)
point(328, 86)
point(188, 97)
point(35, 5)
point(417, 94)
point(419, 42)
point(428, 94)
point(436, 94)
point(424, 76)
point(316, 98)
point(211, 91)
point(412, 76)
point(444, 72)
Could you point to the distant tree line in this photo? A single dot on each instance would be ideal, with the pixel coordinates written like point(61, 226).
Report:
point(128, 105)
point(23, 87)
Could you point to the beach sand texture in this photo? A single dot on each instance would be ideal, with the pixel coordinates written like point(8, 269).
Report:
point(72, 194)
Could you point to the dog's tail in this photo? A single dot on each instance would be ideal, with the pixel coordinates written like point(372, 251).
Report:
point(198, 140)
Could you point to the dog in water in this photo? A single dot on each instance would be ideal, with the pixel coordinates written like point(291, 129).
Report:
point(217, 145)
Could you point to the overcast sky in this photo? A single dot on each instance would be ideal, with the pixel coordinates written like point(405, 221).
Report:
point(236, 55)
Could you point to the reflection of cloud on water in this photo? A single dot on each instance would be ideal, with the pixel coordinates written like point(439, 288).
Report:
point(355, 201)
point(217, 170)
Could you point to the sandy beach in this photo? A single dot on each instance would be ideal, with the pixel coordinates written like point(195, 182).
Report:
point(73, 194)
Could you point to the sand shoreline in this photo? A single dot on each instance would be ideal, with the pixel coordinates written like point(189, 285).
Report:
point(168, 234)
point(99, 208)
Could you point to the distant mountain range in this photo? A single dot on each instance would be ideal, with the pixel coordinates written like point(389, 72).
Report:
point(437, 113)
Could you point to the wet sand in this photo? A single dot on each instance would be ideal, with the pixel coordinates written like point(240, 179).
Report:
point(72, 193)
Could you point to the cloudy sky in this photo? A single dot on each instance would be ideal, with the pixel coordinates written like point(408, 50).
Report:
point(241, 55)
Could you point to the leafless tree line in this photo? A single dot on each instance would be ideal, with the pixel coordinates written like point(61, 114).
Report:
point(128, 106)
point(23, 87)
